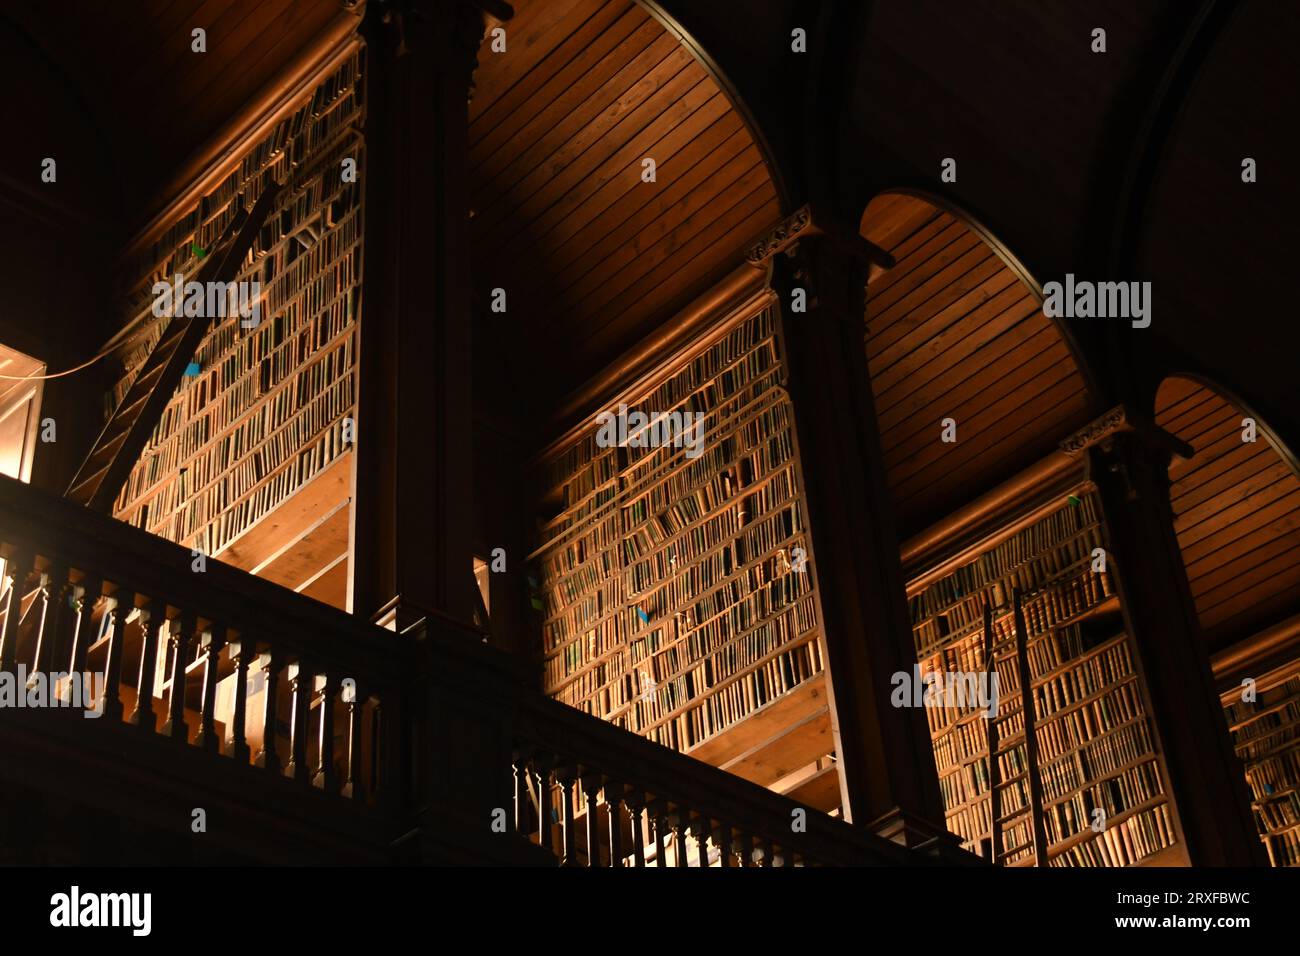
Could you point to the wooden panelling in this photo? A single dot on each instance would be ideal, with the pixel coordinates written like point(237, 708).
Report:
point(590, 255)
point(1236, 513)
point(953, 332)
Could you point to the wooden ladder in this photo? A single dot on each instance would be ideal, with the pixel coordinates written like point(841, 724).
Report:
point(120, 444)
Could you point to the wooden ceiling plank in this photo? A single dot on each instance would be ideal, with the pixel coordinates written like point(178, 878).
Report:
point(597, 296)
point(617, 137)
point(530, 38)
point(1041, 359)
point(173, 53)
point(693, 268)
point(494, 125)
point(1240, 525)
point(1269, 484)
point(892, 219)
point(1018, 412)
point(970, 323)
point(566, 127)
point(1227, 473)
point(945, 295)
point(632, 208)
point(945, 247)
point(668, 138)
point(902, 444)
point(936, 345)
point(201, 100)
point(1281, 576)
point(927, 496)
point(1235, 515)
point(634, 212)
point(1264, 555)
point(614, 263)
point(1286, 525)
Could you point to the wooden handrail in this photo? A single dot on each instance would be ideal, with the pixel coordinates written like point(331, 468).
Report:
point(446, 731)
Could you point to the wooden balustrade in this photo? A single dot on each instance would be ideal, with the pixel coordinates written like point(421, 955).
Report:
point(632, 803)
point(424, 732)
point(212, 659)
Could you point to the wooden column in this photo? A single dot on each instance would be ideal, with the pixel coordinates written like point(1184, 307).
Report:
point(412, 534)
point(1129, 460)
point(888, 778)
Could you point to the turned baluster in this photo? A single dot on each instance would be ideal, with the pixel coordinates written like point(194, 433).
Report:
point(745, 849)
point(355, 699)
point(566, 777)
point(591, 788)
point(123, 603)
point(519, 764)
point(267, 758)
point(765, 849)
point(83, 629)
point(701, 827)
point(16, 571)
point(182, 636)
point(212, 642)
point(301, 681)
point(678, 827)
point(660, 823)
point(634, 800)
point(51, 612)
point(541, 767)
point(151, 619)
point(722, 840)
point(326, 779)
point(242, 652)
point(613, 800)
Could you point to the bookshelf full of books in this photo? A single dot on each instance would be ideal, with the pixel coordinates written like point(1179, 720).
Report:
point(1266, 735)
point(262, 408)
point(1094, 773)
point(676, 588)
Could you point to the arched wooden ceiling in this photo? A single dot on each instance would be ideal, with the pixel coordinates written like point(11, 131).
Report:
point(952, 331)
point(1236, 513)
point(590, 255)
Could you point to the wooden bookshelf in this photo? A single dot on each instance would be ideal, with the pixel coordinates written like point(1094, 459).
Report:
point(1266, 735)
point(265, 415)
point(671, 601)
point(1094, 746)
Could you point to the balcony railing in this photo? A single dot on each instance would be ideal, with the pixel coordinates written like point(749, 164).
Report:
point(210, 681)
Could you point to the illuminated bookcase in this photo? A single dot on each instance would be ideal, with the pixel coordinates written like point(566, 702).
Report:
point(265, 412)
point(1266, 735)
point(676, 592)
point(1095, 747)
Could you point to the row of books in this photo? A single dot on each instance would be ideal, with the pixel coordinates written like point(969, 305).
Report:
point(336, 102)
point(1266, 736)
point(1023, 561)
point(1113, 795)
point(1069, 595)
point(736, 636)
point(743, 458)
point(1123, 844)
point(266, 411)
point(1072, 684)
point(268, 435)
point(724, 707)
point(186, 430)
point(655, 605)
point(1094, 748)
point(194, 508)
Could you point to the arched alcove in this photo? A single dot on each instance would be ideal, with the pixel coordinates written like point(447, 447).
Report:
point(955, 330)
point(1236, 510)
point(592, 250)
